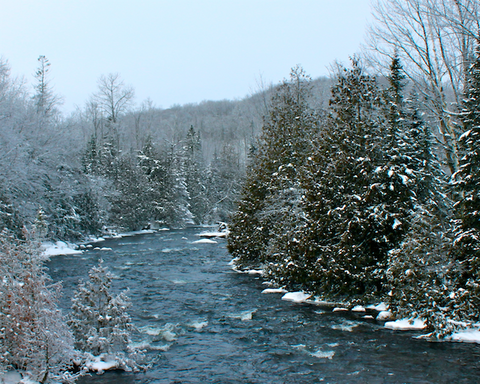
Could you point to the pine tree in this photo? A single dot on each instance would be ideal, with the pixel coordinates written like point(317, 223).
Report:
point(9, 217)
point(167, 191)
point(99, 320)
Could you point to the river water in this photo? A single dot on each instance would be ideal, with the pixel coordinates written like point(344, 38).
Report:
point(205, 323)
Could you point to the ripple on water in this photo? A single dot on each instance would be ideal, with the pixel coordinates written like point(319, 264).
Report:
point(220, 328)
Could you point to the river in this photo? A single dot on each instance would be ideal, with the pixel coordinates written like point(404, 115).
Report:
point(208, 324)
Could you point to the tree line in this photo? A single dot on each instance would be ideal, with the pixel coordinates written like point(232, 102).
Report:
point(376, 197)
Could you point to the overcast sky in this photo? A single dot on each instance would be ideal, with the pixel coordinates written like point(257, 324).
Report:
point(178, 51)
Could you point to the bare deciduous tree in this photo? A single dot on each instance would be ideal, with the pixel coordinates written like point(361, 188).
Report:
point(435, 41)
point(113, 96)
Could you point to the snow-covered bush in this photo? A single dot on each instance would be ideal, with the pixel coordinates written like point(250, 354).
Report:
point(34, 337)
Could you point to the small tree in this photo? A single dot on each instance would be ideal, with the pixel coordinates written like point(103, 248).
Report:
point(100, 322)
point(34, 338)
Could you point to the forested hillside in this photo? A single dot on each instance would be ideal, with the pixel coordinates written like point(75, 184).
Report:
point(115, 166)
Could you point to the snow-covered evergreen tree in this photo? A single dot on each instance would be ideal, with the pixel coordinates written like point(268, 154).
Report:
point(167, 191)
point(285, 142)
point(100, 320)
point(195, 176)
point(9, 218)
point(224, 176)
point(466, 248)
point(130, 205)
point(351, 231)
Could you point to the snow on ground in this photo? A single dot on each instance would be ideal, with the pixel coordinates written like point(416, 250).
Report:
point(296, 297)
point(469, 335)
point(59, 248)
point(358, 308)
point(10, 377)
point(406, 325)
point(379, 307)
point(274, 290)
point(221, 234)
point(96, 364)
point(385, 315)
point(204, 241)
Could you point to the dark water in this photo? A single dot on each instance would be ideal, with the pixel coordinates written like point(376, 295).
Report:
point(208, 324)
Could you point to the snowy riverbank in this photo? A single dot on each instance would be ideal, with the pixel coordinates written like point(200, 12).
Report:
point(469, 333)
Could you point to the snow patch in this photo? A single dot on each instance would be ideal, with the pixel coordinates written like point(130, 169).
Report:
point(385, 315)
point(406, 325)
point(101, 366)
point(274, 290)
point(323, 354)
point(198, 325)
point(397, 223)
point(379, 307)
point(467, 336)
point(11, 377)
point(220, 234)
point(358, 308)
point(296, 297)
point(204, 241)
point(60, 248)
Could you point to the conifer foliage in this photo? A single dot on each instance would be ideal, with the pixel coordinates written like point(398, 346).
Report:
point(99, 320)
point(466, 248)
point(271, 186)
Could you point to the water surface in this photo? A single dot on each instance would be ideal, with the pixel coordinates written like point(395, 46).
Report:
point(208, 324)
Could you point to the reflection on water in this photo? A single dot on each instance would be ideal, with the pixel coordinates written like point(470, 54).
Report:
point(208, 324)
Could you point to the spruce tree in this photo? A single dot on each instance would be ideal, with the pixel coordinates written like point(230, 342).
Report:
point(466, 247)
point(224, 178)
point(344, 247)
point(99, 320)
point(284, 145)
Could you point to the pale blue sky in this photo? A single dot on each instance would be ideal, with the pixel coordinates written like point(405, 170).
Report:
point(178, 51)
